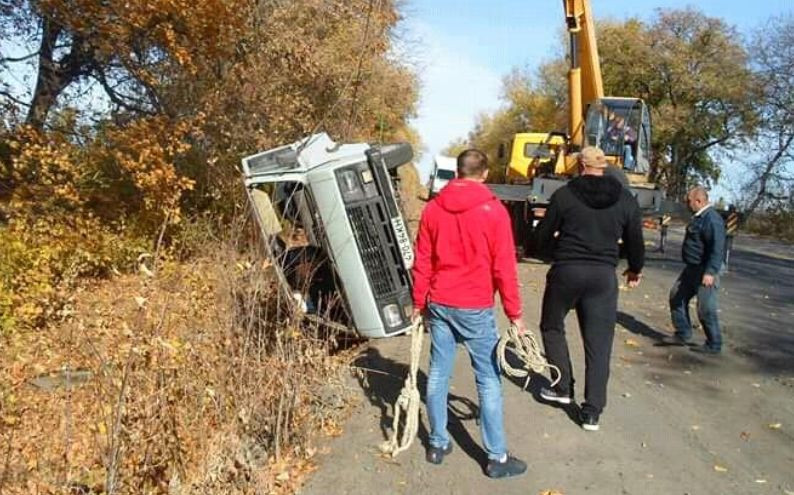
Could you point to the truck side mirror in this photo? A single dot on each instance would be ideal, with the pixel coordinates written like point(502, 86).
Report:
point(501, 152)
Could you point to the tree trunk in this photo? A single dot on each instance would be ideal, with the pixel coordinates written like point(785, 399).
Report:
point(49, 81)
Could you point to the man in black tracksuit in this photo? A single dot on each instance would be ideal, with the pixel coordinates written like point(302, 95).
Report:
point(582, 226)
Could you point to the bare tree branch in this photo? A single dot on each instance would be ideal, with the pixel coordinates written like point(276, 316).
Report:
point(12, 60)
point(14, 99)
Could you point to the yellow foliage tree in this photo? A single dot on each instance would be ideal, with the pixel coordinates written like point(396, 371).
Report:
point(185, 90)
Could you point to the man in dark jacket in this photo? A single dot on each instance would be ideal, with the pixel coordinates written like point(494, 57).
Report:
point(703, 254)
point(464, 253)
point(583, 224)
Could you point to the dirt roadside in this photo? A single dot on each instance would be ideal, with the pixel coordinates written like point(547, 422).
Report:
point(676, 423)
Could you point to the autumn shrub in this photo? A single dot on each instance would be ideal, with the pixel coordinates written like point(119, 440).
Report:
point(181, 378)
point(81, 208)
point(777, 223)
point(42, 261)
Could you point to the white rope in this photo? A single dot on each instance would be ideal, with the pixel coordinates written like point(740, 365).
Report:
point(408, 402)
point(526, 348)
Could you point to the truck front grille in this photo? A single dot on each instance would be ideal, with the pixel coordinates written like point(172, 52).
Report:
point(378, 246)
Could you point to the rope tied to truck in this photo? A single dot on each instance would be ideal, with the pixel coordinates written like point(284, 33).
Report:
point(526, 349)
point(408, 402)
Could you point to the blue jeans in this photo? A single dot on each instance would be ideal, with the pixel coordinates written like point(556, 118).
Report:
point(687, 286)
point(628, 158)
point(475, 329)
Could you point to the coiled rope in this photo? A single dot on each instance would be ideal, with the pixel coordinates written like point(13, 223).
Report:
point(409, 402)
point(526, 349)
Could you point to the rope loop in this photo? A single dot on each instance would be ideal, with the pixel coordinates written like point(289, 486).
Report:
point(527, 350)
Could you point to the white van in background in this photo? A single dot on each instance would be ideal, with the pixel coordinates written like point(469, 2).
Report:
point(444, 170)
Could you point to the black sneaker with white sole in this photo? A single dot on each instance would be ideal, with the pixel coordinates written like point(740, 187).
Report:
point(588, 419)
point(435, 455)
point(511, 466)
point(552, 395)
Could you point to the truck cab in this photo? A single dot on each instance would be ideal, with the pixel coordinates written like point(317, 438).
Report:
point(622, 128)
point(342, 198)
point(534, 154)
point(444, 170)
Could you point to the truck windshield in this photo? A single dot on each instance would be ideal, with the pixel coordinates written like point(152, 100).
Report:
point(536, 150)
point(445, 174)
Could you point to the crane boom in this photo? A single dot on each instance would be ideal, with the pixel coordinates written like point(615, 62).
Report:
point(584, 75)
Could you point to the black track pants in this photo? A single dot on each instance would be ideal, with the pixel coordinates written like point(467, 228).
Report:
point(593, 291)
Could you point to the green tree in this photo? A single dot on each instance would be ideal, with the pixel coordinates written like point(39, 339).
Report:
point(690, 68)
point(769, 164)
point(693, 71)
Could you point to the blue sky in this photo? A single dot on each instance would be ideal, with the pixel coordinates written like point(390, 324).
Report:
point(464, 48)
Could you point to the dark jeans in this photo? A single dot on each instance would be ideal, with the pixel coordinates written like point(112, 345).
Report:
point(687, 286)
point(593, 291)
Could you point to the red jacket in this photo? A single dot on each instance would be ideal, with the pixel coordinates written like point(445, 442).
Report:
point(465, 251)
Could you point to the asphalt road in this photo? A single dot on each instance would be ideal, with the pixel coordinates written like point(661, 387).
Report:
point(677, 422)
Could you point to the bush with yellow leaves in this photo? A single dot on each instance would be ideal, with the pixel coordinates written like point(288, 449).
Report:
point(180, 379)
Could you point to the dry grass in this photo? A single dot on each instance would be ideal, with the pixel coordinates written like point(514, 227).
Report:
point(184, 378)
point(777, 225)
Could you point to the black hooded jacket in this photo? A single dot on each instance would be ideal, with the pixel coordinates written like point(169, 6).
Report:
point(590, 214)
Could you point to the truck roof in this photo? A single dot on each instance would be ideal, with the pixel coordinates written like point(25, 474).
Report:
point(446, 162)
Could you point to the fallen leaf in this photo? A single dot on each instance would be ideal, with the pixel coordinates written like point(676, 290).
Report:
point(744, 436)
point(550, 492)
point(140, 300)
point(757, 385)
point(283, 476)
point(145, 270)
point(626, 395)
point(632, 343)
point(720, 469)
point(775, 426)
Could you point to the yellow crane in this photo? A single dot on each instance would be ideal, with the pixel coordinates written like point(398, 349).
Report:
point(541, 162)
point(621, 126)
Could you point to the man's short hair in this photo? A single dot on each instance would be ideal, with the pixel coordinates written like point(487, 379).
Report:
point(472, 163)
point(699, 192)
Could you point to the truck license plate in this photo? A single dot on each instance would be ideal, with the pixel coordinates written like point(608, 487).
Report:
point(403, 241)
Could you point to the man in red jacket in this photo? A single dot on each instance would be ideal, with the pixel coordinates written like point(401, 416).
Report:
point(464, 253)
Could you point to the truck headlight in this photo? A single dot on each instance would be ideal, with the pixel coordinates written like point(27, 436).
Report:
point(348, 182)
point(391, 315)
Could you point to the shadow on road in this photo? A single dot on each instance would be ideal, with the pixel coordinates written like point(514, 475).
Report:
point(537, 382)
point(382, 378)
point(638, 327)
point(756, 306)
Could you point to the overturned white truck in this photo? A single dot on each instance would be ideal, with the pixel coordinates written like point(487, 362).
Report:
point(343, 198)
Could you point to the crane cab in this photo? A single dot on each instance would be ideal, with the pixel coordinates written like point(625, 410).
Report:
point(622, 128)
point(534, 154)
